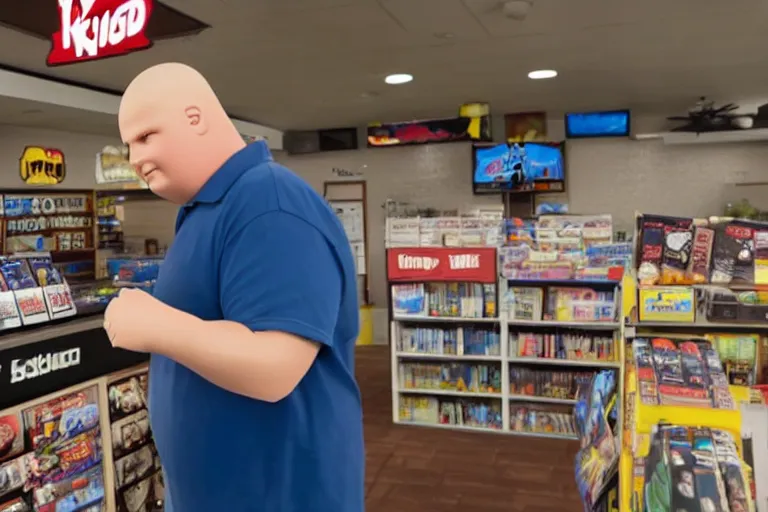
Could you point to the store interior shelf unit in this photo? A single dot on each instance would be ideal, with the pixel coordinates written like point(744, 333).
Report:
point(696, 316)
point(474, 347)
point(684, 307)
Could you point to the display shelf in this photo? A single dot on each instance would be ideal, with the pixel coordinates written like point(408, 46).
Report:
point(444, 319)
point(564, 362)
point(412, 341)
point(541, 399)
point(446, 357)
point(447, 426)
point(588, 283)
point(546, 435)
point(711, 326)
point(668, 305)
point(553, 324)
point(448, 392)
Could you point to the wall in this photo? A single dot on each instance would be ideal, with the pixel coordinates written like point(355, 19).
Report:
point(144, 219)
point(79, 153)
point(617, 176)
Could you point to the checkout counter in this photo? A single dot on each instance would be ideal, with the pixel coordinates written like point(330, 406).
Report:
point(74, 425)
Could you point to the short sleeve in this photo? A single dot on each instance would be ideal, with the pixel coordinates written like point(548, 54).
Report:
point(280, 273)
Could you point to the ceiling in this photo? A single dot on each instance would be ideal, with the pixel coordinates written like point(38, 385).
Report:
point(295, 64)
point(35, 114)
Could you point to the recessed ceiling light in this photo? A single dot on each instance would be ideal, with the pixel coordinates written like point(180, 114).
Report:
point(541, 74)
point(398, 78)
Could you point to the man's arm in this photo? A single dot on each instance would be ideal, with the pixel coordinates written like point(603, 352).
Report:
point(280, 292)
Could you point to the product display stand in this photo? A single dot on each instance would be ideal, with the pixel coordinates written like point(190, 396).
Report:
point(473, 349)
point(56, 440)
point(696, 325)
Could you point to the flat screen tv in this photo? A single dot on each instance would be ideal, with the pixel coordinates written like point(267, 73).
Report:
point(616, 123)
point(518, 167)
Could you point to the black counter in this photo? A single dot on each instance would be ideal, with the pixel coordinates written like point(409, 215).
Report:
point(50, 358)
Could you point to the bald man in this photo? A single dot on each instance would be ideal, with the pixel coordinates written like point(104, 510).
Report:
point(252, 326)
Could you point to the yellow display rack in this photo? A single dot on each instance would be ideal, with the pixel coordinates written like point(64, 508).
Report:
point(638, 420)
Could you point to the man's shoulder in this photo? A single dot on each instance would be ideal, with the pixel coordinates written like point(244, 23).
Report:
point(272, 189)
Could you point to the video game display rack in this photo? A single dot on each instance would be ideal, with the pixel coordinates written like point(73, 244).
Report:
point(695, 423)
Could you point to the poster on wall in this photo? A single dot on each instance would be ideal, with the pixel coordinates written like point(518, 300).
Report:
point(41, 166)
point(97, 29)
point(352, 217)
point(139, 482)
point(113, 166)
point(472, 124)
point(526, 126)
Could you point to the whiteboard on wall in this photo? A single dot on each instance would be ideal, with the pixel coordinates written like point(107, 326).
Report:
point(352, 216)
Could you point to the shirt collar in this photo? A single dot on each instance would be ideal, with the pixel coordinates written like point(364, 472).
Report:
point(253, 154)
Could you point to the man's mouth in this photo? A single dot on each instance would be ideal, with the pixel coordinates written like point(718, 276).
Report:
point(146, 174)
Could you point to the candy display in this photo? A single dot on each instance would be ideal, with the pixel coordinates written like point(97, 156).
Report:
point(59, 465)
point(563, 247)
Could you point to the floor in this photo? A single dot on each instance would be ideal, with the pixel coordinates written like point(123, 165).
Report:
point(413, 469)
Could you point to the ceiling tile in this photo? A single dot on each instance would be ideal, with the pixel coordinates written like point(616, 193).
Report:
point(433, 19)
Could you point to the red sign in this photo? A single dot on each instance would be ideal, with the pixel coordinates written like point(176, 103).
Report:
point(470, 264)
point(95, 29)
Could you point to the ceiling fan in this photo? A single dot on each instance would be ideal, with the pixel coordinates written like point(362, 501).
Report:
point(704, 116)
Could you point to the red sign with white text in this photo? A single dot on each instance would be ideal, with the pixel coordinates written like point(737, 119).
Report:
point(95, 29)
point(470, 264)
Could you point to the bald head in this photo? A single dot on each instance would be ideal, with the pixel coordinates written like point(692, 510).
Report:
point(176, 129)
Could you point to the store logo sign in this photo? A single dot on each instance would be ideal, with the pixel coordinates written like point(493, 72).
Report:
point(406, 262)
point(42, 166)
point(95, 29)
point(43, 364)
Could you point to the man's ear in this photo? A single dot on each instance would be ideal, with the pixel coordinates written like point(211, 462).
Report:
point(196, 120)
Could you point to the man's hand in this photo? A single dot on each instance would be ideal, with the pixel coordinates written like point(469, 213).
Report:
point(134, 320)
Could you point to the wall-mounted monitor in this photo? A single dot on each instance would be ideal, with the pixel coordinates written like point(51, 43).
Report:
point(615, 123)
point(518, 167)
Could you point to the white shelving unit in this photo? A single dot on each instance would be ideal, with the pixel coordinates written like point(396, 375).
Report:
point(504, 358)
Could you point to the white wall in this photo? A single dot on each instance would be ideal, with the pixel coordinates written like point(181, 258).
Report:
point(79, 154)
point(617, 176)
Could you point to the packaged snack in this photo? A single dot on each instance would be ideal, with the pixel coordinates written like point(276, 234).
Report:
point(701, 256)
point(16, 274)
point(43, 270)
point(678, 242)
point(733, 253)
point(651, 250)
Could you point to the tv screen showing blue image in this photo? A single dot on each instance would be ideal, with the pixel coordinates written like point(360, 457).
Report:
point(519, 167)
point(597, 124)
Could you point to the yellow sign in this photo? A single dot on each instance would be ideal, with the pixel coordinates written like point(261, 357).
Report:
point(42, 166)
point(673, 304)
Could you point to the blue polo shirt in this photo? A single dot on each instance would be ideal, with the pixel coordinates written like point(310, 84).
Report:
point(258, 246)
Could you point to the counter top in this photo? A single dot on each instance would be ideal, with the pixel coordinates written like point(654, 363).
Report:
point(45, 359)
point(43, 332)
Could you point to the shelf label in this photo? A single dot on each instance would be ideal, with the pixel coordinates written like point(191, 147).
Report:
point(471, 264)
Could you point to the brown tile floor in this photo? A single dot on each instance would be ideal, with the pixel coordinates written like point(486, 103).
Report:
point(413, 469)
